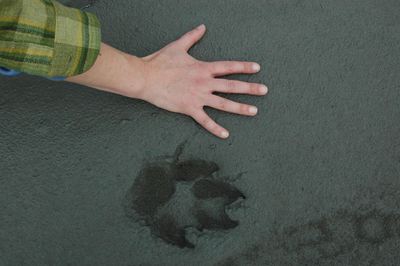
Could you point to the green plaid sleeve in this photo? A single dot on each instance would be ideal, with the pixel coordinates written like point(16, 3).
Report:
point(45, 38)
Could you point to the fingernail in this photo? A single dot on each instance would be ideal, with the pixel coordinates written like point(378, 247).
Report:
point(263, 89)
point(256, 67)
point(253, 110)
point(224, 134)
point(201, 26)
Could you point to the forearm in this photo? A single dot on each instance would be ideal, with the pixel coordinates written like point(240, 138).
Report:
point(114, 71)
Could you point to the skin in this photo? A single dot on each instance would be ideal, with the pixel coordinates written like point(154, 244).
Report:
point(173, 80)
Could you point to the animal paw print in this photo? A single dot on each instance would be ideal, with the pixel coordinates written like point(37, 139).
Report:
point(173, 196)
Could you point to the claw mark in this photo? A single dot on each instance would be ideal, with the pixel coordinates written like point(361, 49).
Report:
point(220, 221)
point(209, 188)
point(193, 169)
point(172, 196)
point(179, 150)
point(168, 230)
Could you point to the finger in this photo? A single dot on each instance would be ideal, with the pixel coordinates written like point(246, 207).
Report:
point(190, 38)
point(226, 105)
point(204, 120)
point(241, 87)
point(221, 68)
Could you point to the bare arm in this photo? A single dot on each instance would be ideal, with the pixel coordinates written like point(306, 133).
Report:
point(114, 71)
point(173, 80)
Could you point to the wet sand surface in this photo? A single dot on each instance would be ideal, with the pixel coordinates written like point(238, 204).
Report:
point(313, 179)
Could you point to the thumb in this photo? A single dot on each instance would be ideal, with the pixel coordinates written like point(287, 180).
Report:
point(190, 38)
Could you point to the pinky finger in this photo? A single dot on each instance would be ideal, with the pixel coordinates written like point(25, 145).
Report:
point(204, 120)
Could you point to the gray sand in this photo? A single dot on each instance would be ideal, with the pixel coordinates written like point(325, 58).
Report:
point(320, 163)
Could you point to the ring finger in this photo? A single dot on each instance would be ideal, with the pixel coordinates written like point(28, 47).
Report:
point(226, 105)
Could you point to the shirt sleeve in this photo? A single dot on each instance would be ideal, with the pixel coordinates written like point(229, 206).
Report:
point(46, 38)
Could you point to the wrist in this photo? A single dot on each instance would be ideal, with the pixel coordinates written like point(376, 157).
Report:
point(134, 78)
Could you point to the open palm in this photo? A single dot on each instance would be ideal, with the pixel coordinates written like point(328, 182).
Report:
point(177, 82)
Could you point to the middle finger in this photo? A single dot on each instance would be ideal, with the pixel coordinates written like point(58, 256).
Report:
point(236, 86)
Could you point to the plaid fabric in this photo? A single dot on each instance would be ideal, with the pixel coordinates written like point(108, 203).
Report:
point(45, 38)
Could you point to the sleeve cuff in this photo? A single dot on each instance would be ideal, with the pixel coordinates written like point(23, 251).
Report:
point(77, 41)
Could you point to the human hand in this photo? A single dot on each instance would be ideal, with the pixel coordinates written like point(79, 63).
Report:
point(177, 82)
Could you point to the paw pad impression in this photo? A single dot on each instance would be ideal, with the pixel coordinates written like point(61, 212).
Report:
point(172, 196)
